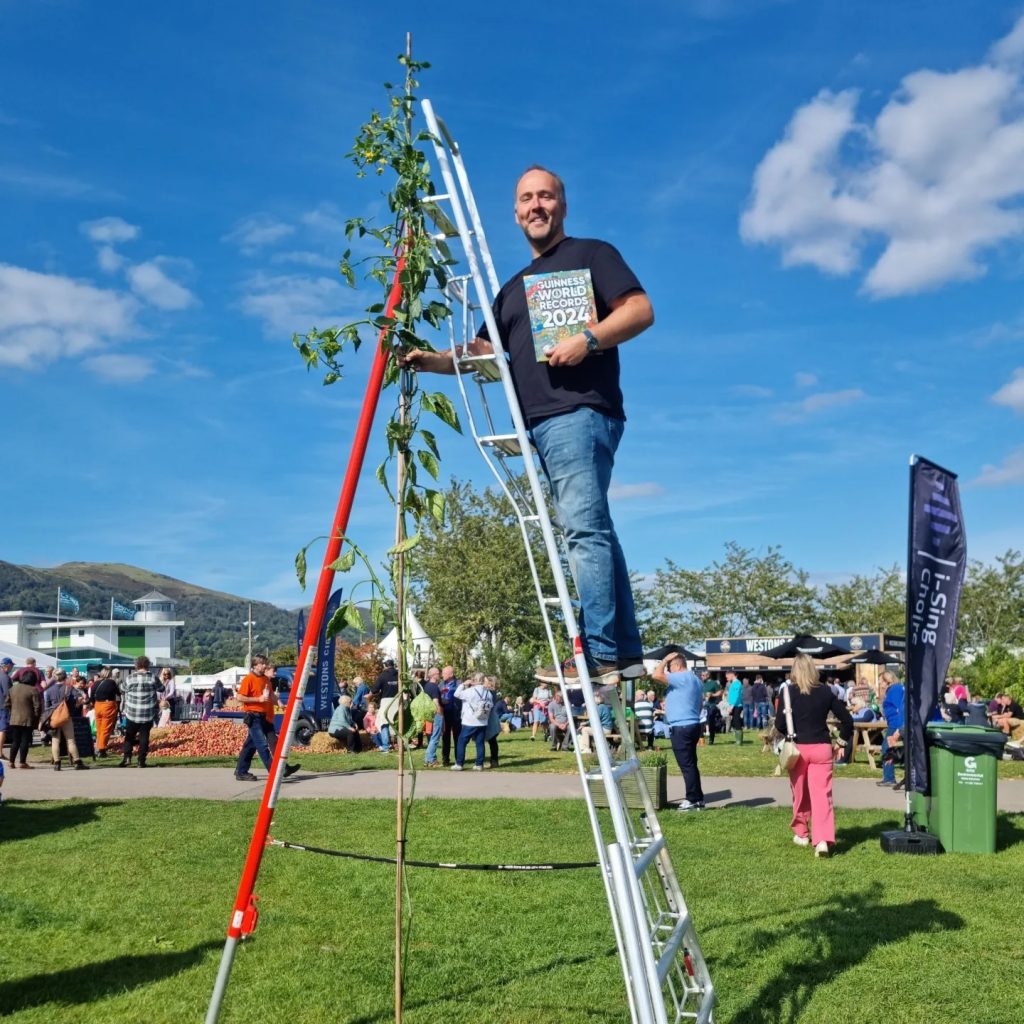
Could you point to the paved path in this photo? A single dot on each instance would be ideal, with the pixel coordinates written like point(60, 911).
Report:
point(105, 782)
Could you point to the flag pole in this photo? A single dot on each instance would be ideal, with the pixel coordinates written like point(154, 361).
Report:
point(56, 635)
point(908, 732)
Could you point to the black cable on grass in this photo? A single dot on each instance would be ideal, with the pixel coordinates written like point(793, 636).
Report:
point(569, 866)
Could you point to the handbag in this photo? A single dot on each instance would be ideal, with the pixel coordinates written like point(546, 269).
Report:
point(59, 715)
point(789, 754)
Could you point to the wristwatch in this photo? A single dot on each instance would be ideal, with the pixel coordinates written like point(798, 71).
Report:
point(592, 342)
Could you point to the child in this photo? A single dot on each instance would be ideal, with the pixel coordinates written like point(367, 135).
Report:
point(165, 715)
point(379, 734)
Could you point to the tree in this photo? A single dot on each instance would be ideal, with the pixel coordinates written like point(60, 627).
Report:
point(994, 671)
point(992, 604)
point(286, 654)
point(472, 582)
point(866, 604)
point(351, 660)
point(742, 594)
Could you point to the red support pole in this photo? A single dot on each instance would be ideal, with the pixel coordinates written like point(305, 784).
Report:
point(243, 915)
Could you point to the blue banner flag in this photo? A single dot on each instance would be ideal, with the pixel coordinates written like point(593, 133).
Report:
point(122, 611)
point(936, 562)
point(326, 682)
point(300, 633)
point(66, 602)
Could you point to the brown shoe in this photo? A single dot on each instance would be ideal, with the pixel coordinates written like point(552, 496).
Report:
point(29, 766)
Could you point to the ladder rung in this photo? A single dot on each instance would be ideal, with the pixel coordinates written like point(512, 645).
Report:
point(643, 862)
point(622, 769)
point(507, 443)
point(675, 940)
point(485, 367)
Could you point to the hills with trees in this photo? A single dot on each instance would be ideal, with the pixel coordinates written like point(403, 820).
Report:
point(214, 634)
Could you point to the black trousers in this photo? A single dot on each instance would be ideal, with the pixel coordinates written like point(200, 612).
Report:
point(350, 737)
point(136, 731)
point(20, 740)
point(450, 733)
point(684, 746)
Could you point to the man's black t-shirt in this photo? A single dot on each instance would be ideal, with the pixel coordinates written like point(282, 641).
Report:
point(386, 684)
point(544, 390)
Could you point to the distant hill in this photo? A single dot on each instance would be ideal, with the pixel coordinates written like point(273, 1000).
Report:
point(213, 620)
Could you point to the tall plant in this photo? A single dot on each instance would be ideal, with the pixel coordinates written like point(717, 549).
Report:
point(389, 145)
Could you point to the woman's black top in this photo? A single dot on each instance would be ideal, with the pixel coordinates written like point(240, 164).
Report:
point(810, 714)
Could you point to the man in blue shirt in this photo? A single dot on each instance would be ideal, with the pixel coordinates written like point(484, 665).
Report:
point(683, 704)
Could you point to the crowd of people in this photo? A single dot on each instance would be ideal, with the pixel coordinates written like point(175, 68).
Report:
point(115, 708)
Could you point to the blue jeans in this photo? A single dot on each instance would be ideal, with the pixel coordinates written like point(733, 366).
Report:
point(577, 452)
point(748, 716)
point(467, 733)
point(435, 738)
point(261, 736)
point(888, 768)
point(762, 714)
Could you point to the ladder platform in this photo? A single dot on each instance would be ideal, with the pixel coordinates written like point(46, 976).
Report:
point(507, 443)
point(485, 367)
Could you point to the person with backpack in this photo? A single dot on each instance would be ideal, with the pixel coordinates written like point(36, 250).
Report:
point(477, 701)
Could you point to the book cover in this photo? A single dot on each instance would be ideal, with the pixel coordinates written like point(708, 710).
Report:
point(561, 303)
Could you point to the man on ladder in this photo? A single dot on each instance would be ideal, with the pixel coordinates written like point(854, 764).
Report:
point(571, 400)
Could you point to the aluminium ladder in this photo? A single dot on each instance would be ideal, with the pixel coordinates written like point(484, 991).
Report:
point(666, 977)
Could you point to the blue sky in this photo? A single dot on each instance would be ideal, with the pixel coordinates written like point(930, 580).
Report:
point(823, 199)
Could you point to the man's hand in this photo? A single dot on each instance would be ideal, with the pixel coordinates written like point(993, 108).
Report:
point(569, 351)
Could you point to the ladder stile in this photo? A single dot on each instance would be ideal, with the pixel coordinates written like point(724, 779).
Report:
point(666, 977)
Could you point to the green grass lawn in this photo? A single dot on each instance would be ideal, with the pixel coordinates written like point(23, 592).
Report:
point(520, 754)
point(117, 911)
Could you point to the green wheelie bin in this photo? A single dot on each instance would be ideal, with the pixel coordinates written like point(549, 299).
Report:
point(963, 761)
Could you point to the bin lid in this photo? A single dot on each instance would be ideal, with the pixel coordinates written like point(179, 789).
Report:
point(967, 739)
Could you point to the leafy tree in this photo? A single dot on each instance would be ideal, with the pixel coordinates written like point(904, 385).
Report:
point(743, 593)
point(996, 670)
point(472, 582)
point(352, 660)
point(992, 604)
point(286, 654)
point(866, 604)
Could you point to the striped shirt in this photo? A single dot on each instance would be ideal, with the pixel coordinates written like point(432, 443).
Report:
point(644, 711)
point(140, 697)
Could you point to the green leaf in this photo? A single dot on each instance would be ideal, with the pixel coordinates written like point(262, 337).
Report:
point(352, 616)
point(444, 410)
point(435, 505)
point(429, 462)
point(379, 614)
point(337, 622)
point(344, 562)
point(405, 545)
point(431, 442)
point(300, 568)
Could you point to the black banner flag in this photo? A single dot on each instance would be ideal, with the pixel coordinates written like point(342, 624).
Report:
point(937, 559)
point(326, 682)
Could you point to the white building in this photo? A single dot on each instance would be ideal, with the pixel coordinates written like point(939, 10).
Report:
point(152, 632)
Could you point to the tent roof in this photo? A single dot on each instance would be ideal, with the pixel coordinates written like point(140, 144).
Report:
point(19, 654)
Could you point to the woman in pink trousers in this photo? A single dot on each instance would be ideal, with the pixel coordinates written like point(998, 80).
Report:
point(810, 779)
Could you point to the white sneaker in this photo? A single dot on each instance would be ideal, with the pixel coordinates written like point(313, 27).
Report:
point(478, 767)
point(801, 840)
point(687, 806)
point(456, 767)
point(821, 850)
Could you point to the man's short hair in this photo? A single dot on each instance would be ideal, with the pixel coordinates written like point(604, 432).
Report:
point(142, 663)
point(258, 659)
point(546, 170)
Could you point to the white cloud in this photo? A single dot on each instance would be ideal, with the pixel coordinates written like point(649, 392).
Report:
point(290, 303)
point(256, 232)
point(1011, 394)
point(150, 282)
point(625, 492)
point(44, 317)
point(325, 219)
point(1010, 472)
point(109, 259)
point(937, 177)
point(107, 230)
point(118, 367)
point(805, 380)
point(305, 258)
point(751, 391)
point(823, 401)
